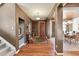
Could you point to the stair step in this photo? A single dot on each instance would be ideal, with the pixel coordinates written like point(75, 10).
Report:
point(4, 50)
point(0, 41)
point(2, 44)
point(5, 53)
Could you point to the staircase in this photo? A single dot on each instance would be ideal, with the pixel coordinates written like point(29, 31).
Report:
point(6, 49)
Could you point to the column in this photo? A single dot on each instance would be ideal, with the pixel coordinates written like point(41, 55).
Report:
point(59, 30)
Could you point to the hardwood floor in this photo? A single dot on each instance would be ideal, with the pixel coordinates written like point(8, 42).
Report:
point(37, 49)
point(71, 53)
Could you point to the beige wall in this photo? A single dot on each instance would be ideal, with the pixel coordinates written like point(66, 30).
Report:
point(20, 13)
point(59, 29)
point(7, 22)
point(48, 28)
point(9, 14)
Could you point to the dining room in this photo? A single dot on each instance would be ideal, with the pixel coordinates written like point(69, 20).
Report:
point(71, 28)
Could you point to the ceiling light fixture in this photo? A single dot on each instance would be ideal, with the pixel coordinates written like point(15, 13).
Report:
point(37, 17)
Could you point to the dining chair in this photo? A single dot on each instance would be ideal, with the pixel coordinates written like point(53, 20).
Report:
point(77, 37)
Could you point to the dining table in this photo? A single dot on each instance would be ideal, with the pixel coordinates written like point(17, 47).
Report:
point(69, 37)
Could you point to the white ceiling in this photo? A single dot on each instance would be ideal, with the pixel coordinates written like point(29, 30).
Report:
point(37, 9)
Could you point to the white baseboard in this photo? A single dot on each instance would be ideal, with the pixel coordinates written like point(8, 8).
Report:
point(22, 45)
point(59, 54)
point(17, 51)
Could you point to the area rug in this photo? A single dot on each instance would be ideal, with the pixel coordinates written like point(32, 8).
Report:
point(38, 40)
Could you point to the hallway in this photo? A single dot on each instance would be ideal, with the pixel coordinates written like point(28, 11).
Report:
point(25, 21)
point(37, 49)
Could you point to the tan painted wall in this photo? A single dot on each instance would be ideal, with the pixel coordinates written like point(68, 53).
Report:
point(9, 14)
point(59, 29)
point(7, 22)
point(20, 13)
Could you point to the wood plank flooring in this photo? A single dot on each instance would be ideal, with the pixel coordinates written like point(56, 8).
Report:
point(40, 49)
point(71, 53)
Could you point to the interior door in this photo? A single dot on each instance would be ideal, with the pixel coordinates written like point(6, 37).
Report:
point(42, 28)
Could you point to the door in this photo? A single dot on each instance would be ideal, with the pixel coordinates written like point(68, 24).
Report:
point(42, 28)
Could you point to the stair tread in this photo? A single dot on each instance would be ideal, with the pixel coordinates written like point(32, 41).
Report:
point(4, 49)
point(0, 41)
point(5, 53)
point(2, 44)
